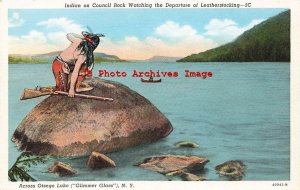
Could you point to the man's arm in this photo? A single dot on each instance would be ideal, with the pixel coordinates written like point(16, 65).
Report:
point(74, 37)
point(74, 76)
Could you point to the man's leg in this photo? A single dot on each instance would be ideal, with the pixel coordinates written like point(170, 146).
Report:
point(80, 87)
point(60, 77)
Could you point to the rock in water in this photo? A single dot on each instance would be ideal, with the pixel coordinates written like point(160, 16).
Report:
point(174, 164)
point(66, 126)
point(234, 169)
point(191, 177)
point(186, 144)
point(62, 169)
point(98, 161)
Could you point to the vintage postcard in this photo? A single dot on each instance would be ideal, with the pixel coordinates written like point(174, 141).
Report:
point(149, 94)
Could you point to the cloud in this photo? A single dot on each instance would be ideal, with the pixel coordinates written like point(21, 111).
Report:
point(33, 43)
point(173, 30)
point(59, 27)
point(37, 42)
point(57, 38)
point(168, 39)
point(15, 20)
point(253, 23)
point(62, 24)
point(226, 30)
point(34, 37)
point(174, 39)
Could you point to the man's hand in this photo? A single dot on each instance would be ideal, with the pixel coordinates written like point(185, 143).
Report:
point(71, 93)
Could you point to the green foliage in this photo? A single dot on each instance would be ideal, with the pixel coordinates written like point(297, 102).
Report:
point(19, 170)
point(268, 41)
point(15, 59)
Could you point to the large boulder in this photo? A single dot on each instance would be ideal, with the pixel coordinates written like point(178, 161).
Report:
point(66, 126)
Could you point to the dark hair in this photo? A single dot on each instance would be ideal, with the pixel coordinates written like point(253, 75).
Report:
point(87, 47)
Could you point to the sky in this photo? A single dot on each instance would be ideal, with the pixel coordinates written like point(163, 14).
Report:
point(132, 34)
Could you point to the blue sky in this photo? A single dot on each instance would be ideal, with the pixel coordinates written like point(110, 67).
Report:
point(135, 30)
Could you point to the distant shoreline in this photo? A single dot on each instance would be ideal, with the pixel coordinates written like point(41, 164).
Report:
point(49, 57)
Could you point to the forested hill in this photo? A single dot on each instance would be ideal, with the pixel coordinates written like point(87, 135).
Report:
point(268, 41)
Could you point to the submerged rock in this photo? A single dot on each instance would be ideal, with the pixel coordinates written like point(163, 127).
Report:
point(185, 176)
point(66, 126)
point(233, 169)
point(186, 144)
point(191, 177)
point(173, 164)
point(62, 169)
point(98, 161)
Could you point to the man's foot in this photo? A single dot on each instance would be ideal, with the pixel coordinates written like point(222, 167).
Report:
point(84, 87)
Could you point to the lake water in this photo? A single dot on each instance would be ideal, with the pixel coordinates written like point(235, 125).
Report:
point(241, 113)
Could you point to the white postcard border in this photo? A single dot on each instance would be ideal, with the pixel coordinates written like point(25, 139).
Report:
point(294, 182)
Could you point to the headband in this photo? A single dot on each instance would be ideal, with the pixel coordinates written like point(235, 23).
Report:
point(89, 40)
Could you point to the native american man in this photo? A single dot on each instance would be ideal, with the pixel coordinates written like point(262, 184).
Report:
point(73, 64)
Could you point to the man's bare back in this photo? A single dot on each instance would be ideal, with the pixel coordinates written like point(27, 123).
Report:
point(71, 53)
